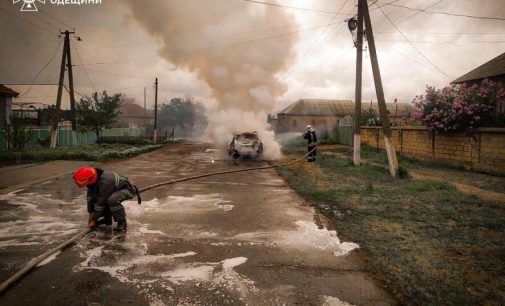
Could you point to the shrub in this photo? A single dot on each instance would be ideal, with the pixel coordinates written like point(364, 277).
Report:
point(460, 108)
point(124, 140)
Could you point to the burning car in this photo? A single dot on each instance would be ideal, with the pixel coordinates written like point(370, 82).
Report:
point(245, 145)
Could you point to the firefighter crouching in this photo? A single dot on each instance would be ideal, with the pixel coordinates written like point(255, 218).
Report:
point(311, 137)
point(106, 191)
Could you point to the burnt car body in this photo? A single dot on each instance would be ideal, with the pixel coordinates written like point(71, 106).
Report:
point(245, 145)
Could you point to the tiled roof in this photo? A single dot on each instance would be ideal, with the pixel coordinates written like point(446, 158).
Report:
point(494, 67)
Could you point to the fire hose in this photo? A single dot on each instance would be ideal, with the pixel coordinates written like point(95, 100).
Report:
point(35, 261)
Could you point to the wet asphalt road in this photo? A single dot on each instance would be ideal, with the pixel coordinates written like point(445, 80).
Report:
point(234, 239)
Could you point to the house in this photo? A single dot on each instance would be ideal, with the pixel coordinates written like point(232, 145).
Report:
point(133, 115)
point(6, 95)
point(328, 114)
point(493, 70)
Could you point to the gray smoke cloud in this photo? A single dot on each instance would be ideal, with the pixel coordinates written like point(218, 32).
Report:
point(241, 75)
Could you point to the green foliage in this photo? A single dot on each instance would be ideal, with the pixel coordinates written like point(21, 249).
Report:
point(429, 185)
point(98, 112)
point(91, 152)
point(130, 140)
point(184, 114)
point(18, 133)
point(370, 118)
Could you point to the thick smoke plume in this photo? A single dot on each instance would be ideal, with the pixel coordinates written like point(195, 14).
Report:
point(226, 44)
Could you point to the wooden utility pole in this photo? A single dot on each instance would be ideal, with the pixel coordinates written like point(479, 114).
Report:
point(155, 110)
point(357, 99)
point(388, 143)
point(65, 59)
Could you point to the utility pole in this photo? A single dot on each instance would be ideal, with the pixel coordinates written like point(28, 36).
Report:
point(65, 59)
point(388, 143)
point(357, 99)
point(155, 110)
point(145, 110)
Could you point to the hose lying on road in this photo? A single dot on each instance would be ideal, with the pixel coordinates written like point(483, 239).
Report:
point(34, 262)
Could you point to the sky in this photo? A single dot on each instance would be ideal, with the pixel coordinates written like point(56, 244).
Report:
point(237, 54)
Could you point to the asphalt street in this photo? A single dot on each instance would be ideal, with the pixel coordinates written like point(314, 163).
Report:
point(236, 239)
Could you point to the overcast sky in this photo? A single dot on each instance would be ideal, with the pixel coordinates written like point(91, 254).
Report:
point(193, 46)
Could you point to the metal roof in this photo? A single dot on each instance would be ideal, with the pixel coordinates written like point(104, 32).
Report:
point(493, 68)
point(340, 108)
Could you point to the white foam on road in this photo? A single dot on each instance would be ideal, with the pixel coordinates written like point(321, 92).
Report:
point(37, 219)
point(333, 301)
point(144, 230)
point(309, 235)
point(199, 203)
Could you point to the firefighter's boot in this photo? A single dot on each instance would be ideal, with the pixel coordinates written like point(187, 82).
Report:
point(121, 227)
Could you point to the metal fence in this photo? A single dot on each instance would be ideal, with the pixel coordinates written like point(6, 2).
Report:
point(68, 137)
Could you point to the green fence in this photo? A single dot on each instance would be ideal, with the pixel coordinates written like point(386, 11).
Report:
point(68, 137)
point(344, 134)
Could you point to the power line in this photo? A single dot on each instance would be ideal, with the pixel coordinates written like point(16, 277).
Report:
point(115, 74)
point(315, 42)
point(296, 8)
point(45, 21)
point(412, 45)
point(210, 49)
point(27, 21)
point(56, 19)
point(448, 13)
point(463, 43)
point(42, 69)
point(411, 16)
point(84, 68)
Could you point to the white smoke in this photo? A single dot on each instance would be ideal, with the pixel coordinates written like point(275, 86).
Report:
point(221, 42)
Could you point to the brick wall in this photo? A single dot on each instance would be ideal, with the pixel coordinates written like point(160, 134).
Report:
point(484, 150)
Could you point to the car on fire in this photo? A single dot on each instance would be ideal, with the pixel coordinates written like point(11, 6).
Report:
point(245, 145)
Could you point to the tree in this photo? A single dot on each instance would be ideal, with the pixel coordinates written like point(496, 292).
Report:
point(183, 113)
point(98, 112)
point(17, 134)
point(460, 108)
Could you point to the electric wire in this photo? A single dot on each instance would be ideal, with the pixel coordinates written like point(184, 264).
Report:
point(413, 46)
point(56, 19)
point(295, 8)
point(42, 69)
point(84, 68)
point(27, 21)
point(448, 13)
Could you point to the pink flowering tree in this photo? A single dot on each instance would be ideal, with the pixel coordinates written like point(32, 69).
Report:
point(460, 108)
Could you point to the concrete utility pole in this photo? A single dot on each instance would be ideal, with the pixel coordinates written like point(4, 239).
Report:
point(155, 110)
point(145, 109)
point(65, 59)
point(388, 143)
point(357, 99)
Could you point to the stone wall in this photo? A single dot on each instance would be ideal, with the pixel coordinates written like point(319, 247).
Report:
point(483, 150)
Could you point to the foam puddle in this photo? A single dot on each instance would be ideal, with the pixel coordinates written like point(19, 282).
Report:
point(333, 301)
point(33, 219)
point(199, 203)
point(49, 259)
point(155, 274)
point(307, 235)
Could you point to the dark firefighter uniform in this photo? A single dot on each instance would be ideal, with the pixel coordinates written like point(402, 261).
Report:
point(106, 195)
point(311, 137)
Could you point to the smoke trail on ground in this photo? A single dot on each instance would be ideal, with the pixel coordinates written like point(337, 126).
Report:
point(220, 42)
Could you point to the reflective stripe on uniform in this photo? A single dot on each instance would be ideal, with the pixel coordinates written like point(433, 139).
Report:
point(99, 207)
point(116, 207)
point(117, 179)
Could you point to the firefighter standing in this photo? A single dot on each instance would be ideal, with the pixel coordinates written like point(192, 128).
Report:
point(106, 191)
point(311, 137)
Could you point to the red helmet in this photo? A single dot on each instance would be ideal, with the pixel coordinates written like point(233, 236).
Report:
point(85, 176)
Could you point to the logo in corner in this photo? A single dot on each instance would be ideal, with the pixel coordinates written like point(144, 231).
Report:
point(29, 5)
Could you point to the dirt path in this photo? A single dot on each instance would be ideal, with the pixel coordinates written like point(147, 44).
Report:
point(236, 239)
point(486, 195)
